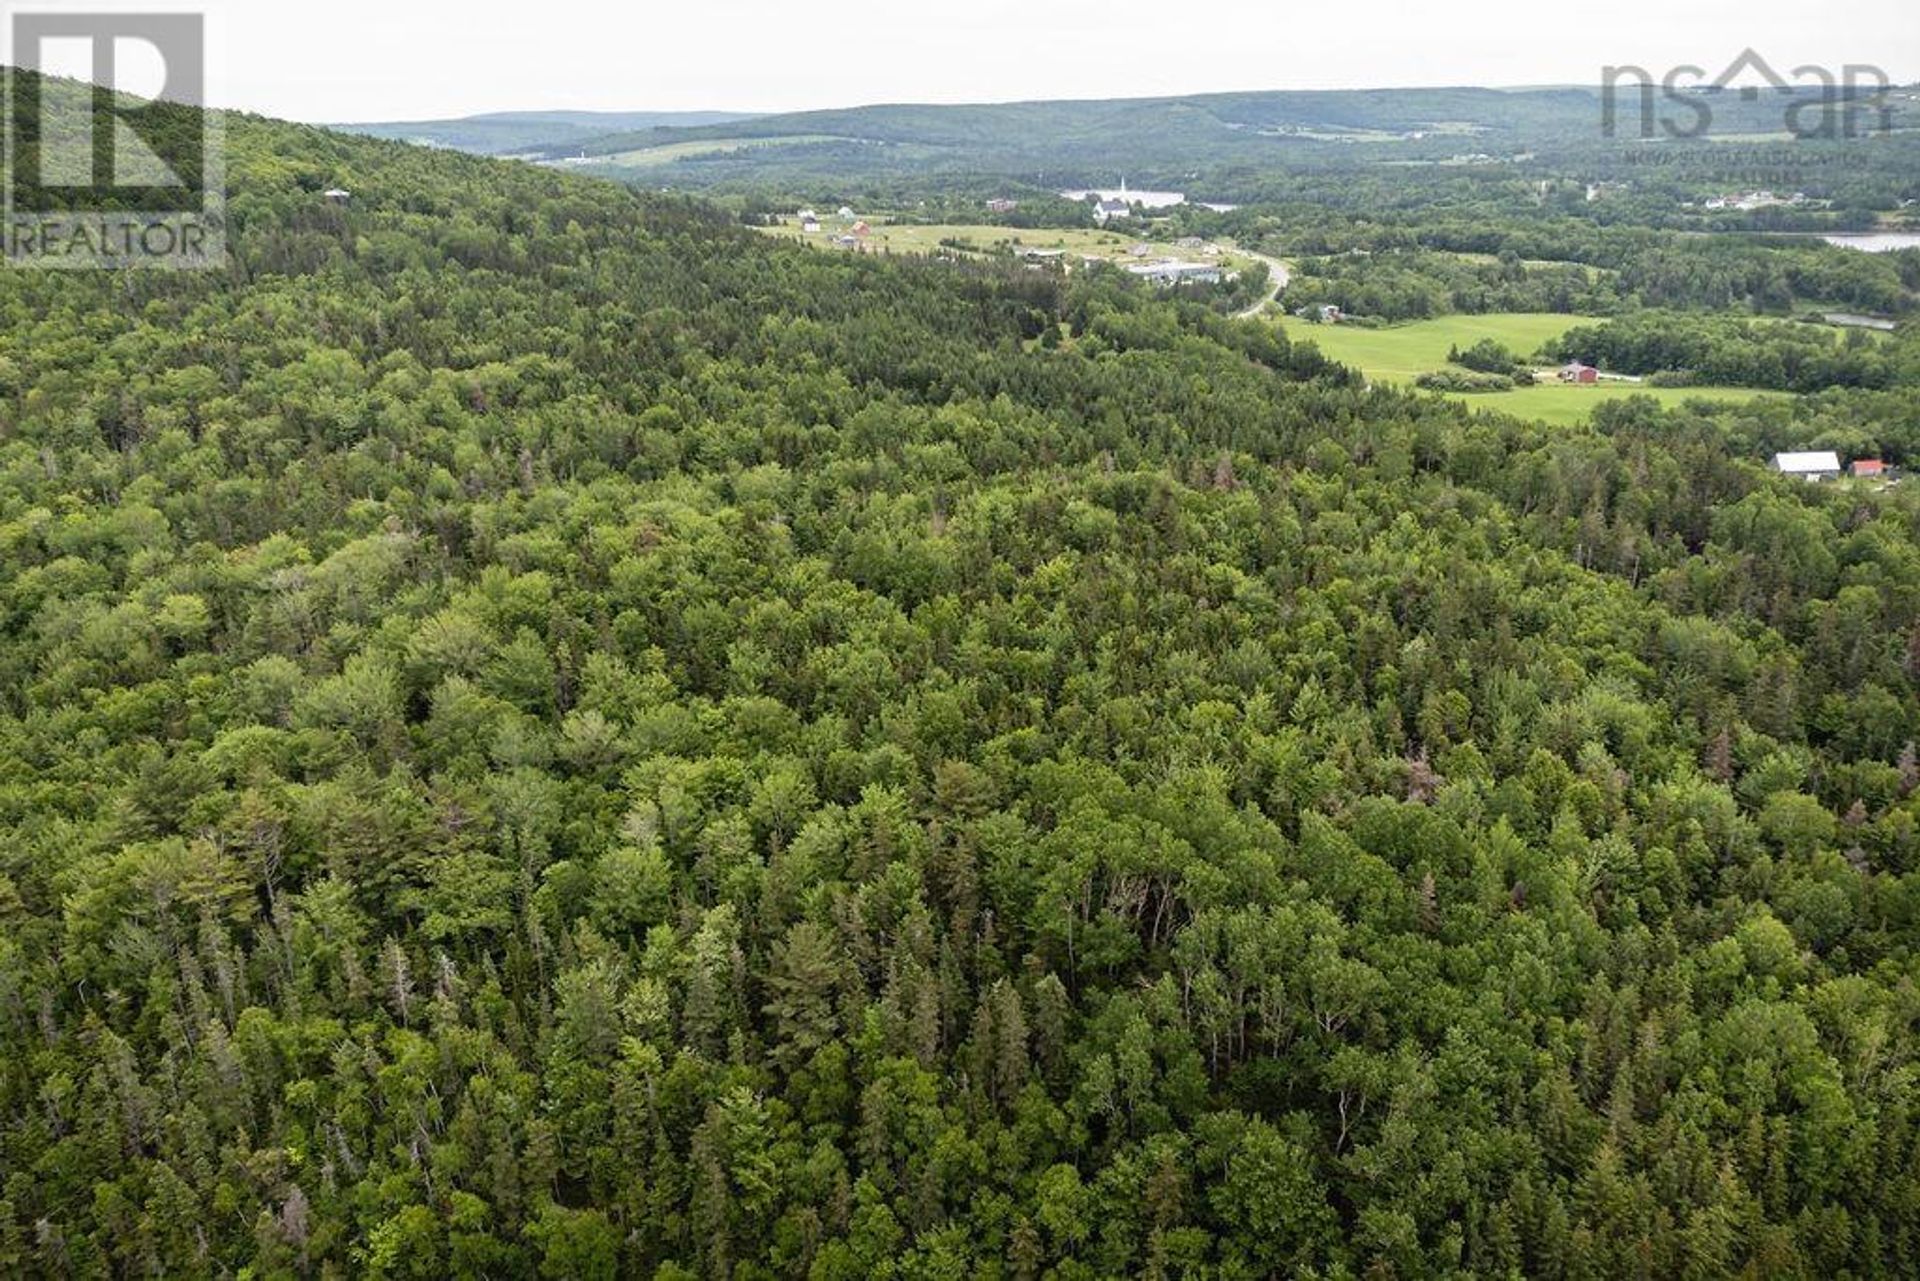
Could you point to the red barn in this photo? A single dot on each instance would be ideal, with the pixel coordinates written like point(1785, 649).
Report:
point(1579, 373)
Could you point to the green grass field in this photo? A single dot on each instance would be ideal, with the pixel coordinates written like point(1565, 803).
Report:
point(648, 157)
point(985, 238)
point(1402, 353)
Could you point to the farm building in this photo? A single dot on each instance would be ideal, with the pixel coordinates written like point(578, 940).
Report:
point(337, 196)
point(1178, 273)
point(1000, 204)
point(1817, 464)
point(1576, 372)
point(1108, 210)
point(1871, 468)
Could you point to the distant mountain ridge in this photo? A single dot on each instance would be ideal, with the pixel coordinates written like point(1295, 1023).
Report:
point(500, 132)
point(1053, 123)
point(1154, 140)
point(1204, 143)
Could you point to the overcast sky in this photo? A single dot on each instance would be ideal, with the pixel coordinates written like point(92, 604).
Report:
point(406, 59)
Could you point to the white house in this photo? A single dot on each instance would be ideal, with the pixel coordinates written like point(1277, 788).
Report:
point(1818, 464)
point(1108, 210)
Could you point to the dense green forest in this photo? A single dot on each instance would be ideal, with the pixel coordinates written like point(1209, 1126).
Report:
point(1419, 285)
point(545, 734)
point(1436, 261)
point(1727, 352)
point(1396, 284)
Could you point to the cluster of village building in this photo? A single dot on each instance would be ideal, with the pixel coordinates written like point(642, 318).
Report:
point(850, 231)
point(1747, 201)
point(854, 229)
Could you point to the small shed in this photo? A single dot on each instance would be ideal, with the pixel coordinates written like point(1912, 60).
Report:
point(1577, 372)
point(337, 196)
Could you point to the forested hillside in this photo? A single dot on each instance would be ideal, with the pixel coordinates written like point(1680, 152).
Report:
point(1262, 145)
point(504, 132)
point(543, 734)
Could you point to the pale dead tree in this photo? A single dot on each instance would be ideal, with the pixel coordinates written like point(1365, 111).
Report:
point(398, 977)
point(294, 1216)
point(1718, 758)
point(1423, 783)
point(1429, 905)
point(446, 982)
point(1223, 477)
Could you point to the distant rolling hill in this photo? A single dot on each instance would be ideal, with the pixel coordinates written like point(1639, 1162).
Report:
point(1162, 134)
point(1163, 141)
point(504, 132)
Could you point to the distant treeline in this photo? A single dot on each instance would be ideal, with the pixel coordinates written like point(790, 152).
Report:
point(1727, 352)
point(1404, 273)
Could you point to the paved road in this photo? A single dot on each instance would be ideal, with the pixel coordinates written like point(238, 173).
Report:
point(1277, 278)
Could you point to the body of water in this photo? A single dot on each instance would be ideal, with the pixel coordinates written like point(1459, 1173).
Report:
point(1875, 242)
point(1150, 199)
